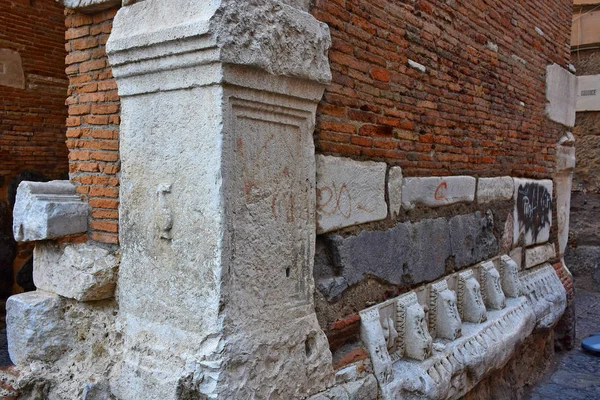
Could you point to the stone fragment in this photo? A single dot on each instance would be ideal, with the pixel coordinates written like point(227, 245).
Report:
point(349, 192)
point(395, 190)
point(533, 210)
point(539, 255)
point(494, 189)
point(471, 307)
point(493, 296)
point(407, 253)
point(48, 210)
point(472, 238)
point(506, 241)
point(444, 319)
point(437, 191)
point(509, 277)
point(561, 94)
point(11, 69)
point(79, 271)
point(36, 328)
point(417, 66)
point(332, 287)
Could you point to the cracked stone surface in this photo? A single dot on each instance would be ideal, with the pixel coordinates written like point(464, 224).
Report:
point(575, 374)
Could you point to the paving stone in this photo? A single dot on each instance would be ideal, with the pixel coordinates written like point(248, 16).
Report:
point(493, 189)
point(349, 192)
point(437, 191)
point(472, 238)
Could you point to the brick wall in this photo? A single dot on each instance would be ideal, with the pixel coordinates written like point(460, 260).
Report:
point(464, 114)
point(93, 121)
point(32, 116)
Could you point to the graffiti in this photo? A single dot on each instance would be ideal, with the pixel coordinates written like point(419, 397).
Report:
point(283, 204)
point(439, 192)
point(534, 207)
point(332, 200)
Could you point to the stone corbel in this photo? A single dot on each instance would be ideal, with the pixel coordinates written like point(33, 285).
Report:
point(471, 306)
point(509, 276)
point(414, 340)
point(493, 295)
point(444, 319)
point(48, 210)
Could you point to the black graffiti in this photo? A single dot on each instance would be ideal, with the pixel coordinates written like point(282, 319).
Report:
point(534, 205)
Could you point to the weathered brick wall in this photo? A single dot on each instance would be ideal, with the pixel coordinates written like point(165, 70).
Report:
point(464, 114)
point(93, 121)
point(32, 116)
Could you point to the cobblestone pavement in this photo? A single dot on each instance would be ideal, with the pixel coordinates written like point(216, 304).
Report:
point(575, 374)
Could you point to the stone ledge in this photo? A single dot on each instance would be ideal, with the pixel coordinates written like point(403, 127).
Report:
point(48, 210)
point(89, 6)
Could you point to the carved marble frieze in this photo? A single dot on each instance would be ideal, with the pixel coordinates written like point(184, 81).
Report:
point(476, 319)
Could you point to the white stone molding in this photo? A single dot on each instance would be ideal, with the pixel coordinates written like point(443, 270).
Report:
point(444, 319)
point(471, 306)
point(218, 208)
point(90, 6)
point(546, 294)
point(509, 276)
point(493, 296)
point(48, 210)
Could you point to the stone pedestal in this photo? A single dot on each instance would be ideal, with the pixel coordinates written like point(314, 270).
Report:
point(217, 215)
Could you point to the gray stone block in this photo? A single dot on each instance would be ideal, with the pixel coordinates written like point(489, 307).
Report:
point(539, 254)
point(472, 238)
point(406, 254)
point(561, 94)
point(36, 327)
point(492, 189)
point(48, 210)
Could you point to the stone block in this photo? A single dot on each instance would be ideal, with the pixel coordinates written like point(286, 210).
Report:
point(11, 69)
point(588, 93)
point(395, 190)
point(561, 94)
point(472, 238)
point(79, 271)
point(48, 210)
point(437, 191)
point(349, 192)
point(36, 328)
point(406, 254)
point(533, 210)
point(493, 189)
point(539, 255)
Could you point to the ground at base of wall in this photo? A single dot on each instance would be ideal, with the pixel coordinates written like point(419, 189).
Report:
point(574, 374)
